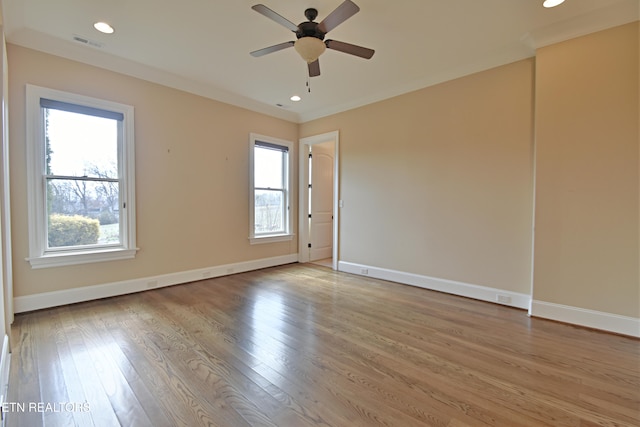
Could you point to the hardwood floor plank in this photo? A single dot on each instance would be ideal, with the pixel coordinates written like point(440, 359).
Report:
point(54, 389)
point(142, 396)
point(395, 398)
point(24, 372)
point(208, 369)
point(175, 408)
point(267, 354)
point(302, 345)
point(313, 361)
point(188, 406)
point(90, 364)
point(246, 349)
point(226, 363)
point(329, 367)
point(63, 384)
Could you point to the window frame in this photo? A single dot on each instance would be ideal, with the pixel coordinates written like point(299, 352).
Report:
point(287, 235)
point(39, 254)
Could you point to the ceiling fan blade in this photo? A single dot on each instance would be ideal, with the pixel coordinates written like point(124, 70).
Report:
point(264, 10)
point(340, 14)
point(271, 49)
point(351, 49)
point(314, 68)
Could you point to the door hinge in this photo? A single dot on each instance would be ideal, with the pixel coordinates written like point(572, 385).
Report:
point(309, 245)
point(309, 215)
point(310, 155)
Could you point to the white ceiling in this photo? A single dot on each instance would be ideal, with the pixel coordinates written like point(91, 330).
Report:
point(202, 46)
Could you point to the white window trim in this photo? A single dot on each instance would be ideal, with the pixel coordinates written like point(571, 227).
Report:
point(270, 238)
point(36, 194)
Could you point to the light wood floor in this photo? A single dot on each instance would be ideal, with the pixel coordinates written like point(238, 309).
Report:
point(301, 345)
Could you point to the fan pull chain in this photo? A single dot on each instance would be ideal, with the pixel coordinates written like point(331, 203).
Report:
point(308, 84)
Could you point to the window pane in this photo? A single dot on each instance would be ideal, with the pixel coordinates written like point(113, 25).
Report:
point(81, 145)
point(268, 165)
point(82, 213)
point(269, 211)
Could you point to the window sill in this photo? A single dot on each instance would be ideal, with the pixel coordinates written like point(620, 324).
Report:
point(72, 258)
point(271, 238)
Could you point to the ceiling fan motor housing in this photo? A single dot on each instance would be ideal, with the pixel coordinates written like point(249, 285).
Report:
point(310, 28)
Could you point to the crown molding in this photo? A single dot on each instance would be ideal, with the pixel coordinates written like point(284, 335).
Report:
point(601, 19)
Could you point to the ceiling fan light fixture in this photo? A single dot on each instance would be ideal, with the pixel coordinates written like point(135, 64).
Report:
point(552, 3)
point(309, 48)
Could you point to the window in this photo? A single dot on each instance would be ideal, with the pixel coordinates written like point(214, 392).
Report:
point(80, 177)
point(270, 165)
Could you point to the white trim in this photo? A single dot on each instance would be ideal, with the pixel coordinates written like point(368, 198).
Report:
point(39, 257)
point(99, 58)
point(5, 203)
point(5, 365)
point(60, 259)
point(621, 13)
point(303, 194)
point(88, 293)
point(483, 293)
point(562, 313)
point(288, 192)
point(588, 318)
point(271, 239)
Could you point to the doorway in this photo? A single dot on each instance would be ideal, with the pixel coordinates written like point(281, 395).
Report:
point(318, 198)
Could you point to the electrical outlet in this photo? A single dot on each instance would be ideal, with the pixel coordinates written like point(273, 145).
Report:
point(364, 271)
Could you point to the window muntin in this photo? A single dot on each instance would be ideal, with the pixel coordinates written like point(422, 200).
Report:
point(270, 190)
point(80, 174)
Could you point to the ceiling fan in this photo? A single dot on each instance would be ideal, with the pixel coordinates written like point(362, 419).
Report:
point(311, 44)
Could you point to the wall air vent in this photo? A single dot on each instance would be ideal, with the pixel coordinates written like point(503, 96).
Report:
point(87, 41)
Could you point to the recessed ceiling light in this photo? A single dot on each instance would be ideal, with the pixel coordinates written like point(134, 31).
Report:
point(103, 27)
point(295, 98)
point(552, 3)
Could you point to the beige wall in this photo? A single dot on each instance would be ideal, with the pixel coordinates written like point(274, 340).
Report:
point(439, 182)
point(587, 189)
point(191, 175)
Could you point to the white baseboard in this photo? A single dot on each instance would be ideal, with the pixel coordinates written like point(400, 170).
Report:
point(87, 293)
point(5, 363)
point(589, 318)
point(483, 293)
point(567, 314)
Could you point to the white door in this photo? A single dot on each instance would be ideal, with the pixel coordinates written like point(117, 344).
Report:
point(321, 201)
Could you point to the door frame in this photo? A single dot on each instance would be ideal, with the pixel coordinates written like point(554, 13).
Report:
point(303, 194)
